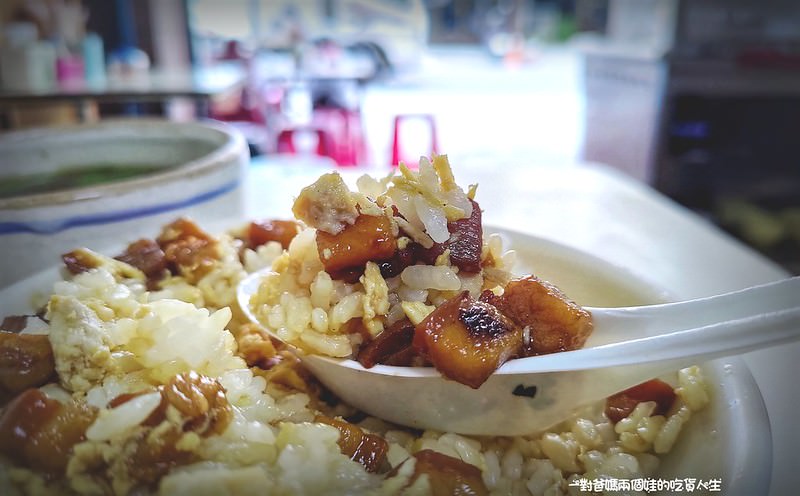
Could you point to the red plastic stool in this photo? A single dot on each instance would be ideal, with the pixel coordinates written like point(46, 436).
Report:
point(414, 135)
point(287, 141)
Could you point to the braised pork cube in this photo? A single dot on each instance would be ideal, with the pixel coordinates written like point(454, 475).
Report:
point(467, 340)
point(447, 475)
point(465, 243)
point(39, 432)
point(262, 232)
point(345, 254)
point(147, 256)
point(182, 228)
point(15, 323)
point(554, 322)
point(26, 361)
point(367, 449)
point(390, 345)
point(406, 357)
point(189, 251)
point(623, 403)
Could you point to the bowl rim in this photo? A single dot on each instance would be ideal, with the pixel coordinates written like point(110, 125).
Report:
point(232, 144)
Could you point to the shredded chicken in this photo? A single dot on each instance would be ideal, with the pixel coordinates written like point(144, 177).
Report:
point(326, 205)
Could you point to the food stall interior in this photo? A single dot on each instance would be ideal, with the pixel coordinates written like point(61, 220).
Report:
point(696, 99)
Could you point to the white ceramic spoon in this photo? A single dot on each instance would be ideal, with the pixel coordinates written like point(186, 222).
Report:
point(630, 346)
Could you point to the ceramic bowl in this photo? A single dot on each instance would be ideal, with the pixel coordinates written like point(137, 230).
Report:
point(193, 169)
point(729, 440)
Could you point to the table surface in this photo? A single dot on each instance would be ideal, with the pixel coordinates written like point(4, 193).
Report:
point(217, 80)
point(602, 211)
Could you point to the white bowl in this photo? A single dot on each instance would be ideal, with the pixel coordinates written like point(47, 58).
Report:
point(200, 170)
point(729, 440)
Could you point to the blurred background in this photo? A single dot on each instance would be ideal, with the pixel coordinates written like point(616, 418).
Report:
point(699, 99)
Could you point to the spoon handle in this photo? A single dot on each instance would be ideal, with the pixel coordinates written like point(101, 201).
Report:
point(622, 324)
point(682, 333)
point(716, 340)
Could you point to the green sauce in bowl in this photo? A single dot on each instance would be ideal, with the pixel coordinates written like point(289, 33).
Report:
point(71, 178)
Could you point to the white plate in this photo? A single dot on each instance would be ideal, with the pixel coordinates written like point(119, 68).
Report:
point(730, 440)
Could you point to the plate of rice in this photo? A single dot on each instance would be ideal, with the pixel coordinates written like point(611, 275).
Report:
point(136, 372)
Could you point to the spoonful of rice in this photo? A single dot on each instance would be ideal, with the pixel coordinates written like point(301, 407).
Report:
point(525, 395)
point(395, 300)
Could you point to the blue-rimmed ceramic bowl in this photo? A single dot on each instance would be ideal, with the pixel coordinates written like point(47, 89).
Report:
point(67, 187)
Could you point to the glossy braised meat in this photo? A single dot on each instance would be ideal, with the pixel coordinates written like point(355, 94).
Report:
point(465, 243)
point(365, 448)
point(623, 403)
point(198, 404)
point(182, 248)
point(201, 401)
point(390, 347)
point(189, 251)
point(262, 232)
point(26, 361)
point(147, 256)
point(467, 340)
point(448, 476)
point(344, 255)
point(39, 432)
point(465, 246)
point(554, 322)
point(17, 323)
